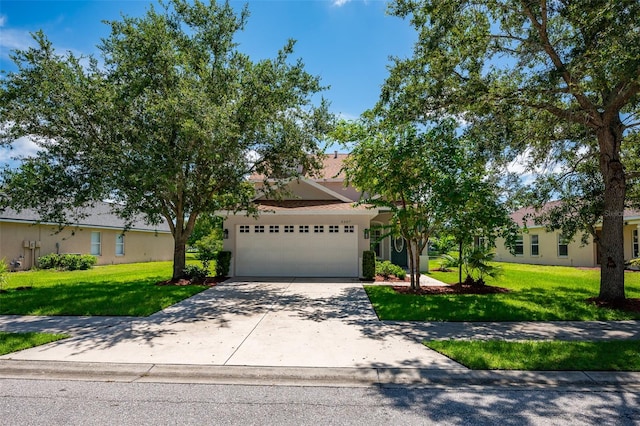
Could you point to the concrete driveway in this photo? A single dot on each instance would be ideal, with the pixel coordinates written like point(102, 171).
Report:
point(279, 322)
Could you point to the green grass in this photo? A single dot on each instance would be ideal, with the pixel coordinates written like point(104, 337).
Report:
point(104, 290)
point(542, 356)
point(12, 342)
point(538, 293)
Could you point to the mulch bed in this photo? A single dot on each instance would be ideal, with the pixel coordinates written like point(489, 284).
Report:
point(452, 289)
point(629, 305)
point(209, 281)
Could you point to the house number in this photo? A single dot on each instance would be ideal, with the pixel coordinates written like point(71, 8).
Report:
point(345, 221)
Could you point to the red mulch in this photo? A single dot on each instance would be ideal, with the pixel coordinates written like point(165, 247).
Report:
point(209, 281)
point(452, 289)
point(629, 305)
point(393, 279)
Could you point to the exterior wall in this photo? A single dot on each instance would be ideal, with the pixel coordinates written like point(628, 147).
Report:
point(347, 191)
point(632, 225)
point(139, 246)
point(361, 221)
point(578, 255)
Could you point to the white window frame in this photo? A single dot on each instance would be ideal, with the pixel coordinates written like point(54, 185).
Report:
point(635, 248)
point(563, 241)
point(96, 247)
point(536, 245)
point(120, 245)
point(519, 243)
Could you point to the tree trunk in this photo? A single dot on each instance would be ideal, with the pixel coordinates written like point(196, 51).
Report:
point(416, 264)
point(611, 242)
point(179, 256)
point(411, 265)
point(427, 247)
point(460, 262)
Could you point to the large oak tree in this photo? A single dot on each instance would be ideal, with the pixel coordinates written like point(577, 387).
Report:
point(542, 78)
point(168, 125)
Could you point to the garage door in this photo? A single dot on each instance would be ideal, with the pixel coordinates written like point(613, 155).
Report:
point(313, 250)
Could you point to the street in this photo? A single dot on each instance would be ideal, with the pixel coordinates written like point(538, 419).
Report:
point(33, 402)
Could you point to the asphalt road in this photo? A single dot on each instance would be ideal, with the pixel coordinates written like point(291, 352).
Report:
point(35, 402)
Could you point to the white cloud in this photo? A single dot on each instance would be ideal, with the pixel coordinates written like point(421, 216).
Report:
point(21, 147)
point(339, 3)
point(3, 20)
point(14, 39)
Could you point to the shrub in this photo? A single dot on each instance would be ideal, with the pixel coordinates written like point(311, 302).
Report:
point(4, 273)
point(368, 264)
point(208, 248)
point(447, 262)
point(67, 262)
point(195, 273)
point(386, 269)
point(476, 263)
point(223, 263)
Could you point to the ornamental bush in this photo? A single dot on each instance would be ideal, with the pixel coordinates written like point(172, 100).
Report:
point(386, 269)
point(368, 264)
point(223, 263)
point(67, 262)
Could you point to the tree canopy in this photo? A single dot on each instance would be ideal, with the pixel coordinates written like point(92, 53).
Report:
point(168, 126)
point(556, 82)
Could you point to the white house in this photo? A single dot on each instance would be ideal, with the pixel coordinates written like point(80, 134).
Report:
point(316, 231)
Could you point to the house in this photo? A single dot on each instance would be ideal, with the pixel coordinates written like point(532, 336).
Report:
point(100, 233)
point(316, 230)
point(537, 246)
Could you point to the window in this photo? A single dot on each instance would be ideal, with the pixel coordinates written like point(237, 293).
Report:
point(244, 229)
point(288, 229)
point(334, 229)
point(349, 229)
point(519, 248)
point(303, 229)
point(273, 229)
point(318, 229)
point(535, 247)
point(376, 245)
point(563, 246)
point(120, 245)
point(480, 242)
point(636, 247)
point(258, 229)
point(96, 244)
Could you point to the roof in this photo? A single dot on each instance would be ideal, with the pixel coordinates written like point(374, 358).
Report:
point(525, 216)
point(98, 216)
point(332, 167)
point(309, 205)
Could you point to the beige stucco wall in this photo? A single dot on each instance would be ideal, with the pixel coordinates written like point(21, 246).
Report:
point(360, 220)
point(578, 255)
point(138, 246)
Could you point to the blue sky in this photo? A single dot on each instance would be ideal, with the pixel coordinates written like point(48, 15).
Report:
point(346, 42)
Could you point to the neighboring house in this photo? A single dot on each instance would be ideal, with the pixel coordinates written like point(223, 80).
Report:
point(538, 246)
point(23, 239)
point(315, 231)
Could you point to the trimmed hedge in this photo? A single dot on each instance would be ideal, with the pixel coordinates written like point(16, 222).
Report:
point(223, 263)
point(67, 262)
point(368, 264)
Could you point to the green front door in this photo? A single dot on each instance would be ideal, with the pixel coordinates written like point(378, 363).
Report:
point(399, 252)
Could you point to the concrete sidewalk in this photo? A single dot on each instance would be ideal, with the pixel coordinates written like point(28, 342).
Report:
point(285, 331)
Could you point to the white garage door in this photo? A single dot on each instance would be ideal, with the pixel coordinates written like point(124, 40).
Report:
point(313, 250)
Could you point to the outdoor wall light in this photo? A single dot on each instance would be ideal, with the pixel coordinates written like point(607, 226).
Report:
point(225, 234)
point(366, 233)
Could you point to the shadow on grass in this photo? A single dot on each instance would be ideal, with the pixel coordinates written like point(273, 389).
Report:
point(134, 298)
point(525, 305)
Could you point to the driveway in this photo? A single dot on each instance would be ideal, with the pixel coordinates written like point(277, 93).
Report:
point(275, 322)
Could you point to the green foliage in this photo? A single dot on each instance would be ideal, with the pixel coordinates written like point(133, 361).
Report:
point(4, 273)
point(635, 263)
point(67, 262)
point(386, 269)
point(368, 264)
point(195, 273)
point(223, 263)
point(183, 118)
point(443, 244)
point(542, 356)
point(205, 225)
point(13, 342)
point(208, 247)
point(553, 85)
point(478, 266)
point(447, 262)
point(125, 289)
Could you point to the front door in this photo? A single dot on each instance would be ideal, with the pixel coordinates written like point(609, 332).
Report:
point(399, 252)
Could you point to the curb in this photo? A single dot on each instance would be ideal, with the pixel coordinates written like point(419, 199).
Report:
point(307, 376)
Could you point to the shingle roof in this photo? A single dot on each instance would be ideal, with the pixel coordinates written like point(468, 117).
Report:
point(526, 215)
point(332, 166)
point(99, 216)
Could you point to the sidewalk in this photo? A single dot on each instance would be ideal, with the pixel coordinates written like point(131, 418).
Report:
point(296, 331)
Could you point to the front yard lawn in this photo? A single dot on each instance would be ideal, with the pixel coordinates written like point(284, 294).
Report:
point(127, 289)
point(542, 356)
point(538, 293)
point(12, 342)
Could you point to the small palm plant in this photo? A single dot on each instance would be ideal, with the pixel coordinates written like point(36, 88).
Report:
point(477, 263)
point(4, 274)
